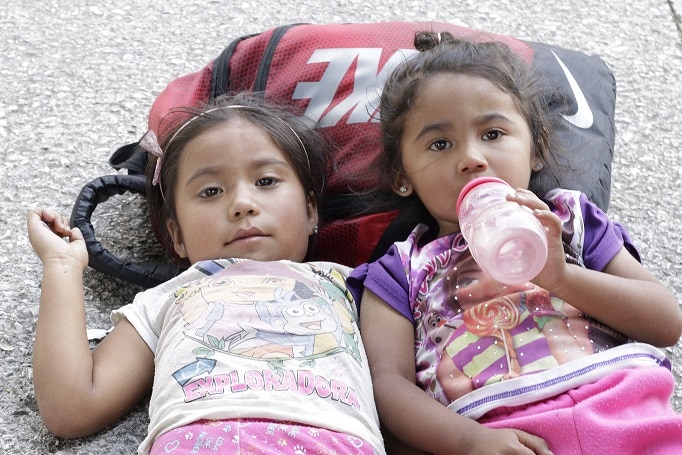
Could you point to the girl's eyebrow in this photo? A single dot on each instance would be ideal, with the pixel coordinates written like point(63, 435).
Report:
point(205, 171)
point(216, 169)
point(433, 127)
point(492, 116)
point(446, 124)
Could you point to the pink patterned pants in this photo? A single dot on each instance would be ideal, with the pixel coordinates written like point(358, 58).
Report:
point(253, 436)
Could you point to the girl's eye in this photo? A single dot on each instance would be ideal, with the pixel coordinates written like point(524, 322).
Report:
point(210, 192)
point(439, 144)
point(491, 135)
point(266, 181)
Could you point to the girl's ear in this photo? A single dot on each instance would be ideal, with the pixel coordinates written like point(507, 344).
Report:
point(401, 186)
point(176, 237)
point(313, 216)
point(536, 165)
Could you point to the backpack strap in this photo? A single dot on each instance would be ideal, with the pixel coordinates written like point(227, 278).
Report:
point(145, 274)
point(221, 81)
point(131, 157)
point(263, 73)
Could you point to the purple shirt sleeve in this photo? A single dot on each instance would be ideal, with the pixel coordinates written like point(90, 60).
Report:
point(603, 238)
point(386, 278)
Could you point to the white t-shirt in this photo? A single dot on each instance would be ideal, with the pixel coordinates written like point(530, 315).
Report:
point(247, 339)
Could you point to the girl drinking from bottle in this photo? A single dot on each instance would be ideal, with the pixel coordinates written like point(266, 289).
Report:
point(460, 363)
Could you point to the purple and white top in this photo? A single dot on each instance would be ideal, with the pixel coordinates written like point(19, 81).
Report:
point(471, 331)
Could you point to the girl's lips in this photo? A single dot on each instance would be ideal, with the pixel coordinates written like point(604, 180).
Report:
point(243, 234)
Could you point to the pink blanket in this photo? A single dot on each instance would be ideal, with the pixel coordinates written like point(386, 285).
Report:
point(626, 412)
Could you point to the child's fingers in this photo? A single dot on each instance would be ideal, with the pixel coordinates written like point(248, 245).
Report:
point(528, 199)
point(37, 220)
point(47, 231)
point(53, 220)
point(76, 234)
point(550, 221)
point(78, 243)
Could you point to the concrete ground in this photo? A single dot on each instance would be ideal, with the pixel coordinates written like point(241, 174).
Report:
point(77, 79)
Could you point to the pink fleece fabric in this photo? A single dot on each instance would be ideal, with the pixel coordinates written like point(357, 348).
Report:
point(627, 412)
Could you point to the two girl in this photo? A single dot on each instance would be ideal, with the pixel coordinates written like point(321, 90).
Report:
point(261, 352)
point(250, 350)
point(463, 364)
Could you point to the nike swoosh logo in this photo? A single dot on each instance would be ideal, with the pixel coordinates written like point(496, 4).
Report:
point(583, 117)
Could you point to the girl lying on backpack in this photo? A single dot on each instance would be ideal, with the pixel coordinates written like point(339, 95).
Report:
point(462, 364)
point(251, 350)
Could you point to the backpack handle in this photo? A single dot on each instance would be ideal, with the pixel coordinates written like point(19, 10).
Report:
point(145, 274)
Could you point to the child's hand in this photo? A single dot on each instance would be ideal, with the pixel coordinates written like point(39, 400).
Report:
point(46, 232)
point(556, 268)
point(509, 442)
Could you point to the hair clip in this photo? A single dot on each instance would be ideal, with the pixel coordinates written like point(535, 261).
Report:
point(150, 143)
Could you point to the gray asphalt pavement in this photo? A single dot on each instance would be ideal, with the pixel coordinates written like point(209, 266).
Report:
point(77, 79)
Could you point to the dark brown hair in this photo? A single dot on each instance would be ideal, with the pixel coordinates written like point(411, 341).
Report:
point(442, 53)
point(308, 150)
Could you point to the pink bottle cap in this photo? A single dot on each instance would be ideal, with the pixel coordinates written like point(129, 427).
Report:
point(472, 184)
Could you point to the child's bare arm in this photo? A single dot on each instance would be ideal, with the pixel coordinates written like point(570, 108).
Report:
point(407, 411)
point(626, 296)
point(79, 392)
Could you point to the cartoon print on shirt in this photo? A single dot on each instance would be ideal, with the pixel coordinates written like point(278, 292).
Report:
point(289, 320)
point(275, 319)
point(478, 331)
point(298, 325)
point(483, 332)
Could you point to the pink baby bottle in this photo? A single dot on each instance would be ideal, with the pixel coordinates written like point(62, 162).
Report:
point(505, 239)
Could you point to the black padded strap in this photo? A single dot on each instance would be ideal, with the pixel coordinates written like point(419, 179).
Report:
point(145, 274)
point(131, 157)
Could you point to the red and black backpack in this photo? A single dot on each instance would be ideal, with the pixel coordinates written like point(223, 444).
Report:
point(334, 74)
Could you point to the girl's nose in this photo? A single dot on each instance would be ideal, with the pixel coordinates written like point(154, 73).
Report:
point(243, 204)
point(472, 161)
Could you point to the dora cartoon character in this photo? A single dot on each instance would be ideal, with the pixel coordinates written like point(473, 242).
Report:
point(280, 317)
point(295, 327)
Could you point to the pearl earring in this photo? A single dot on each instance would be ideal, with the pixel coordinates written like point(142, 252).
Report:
point(403, 189)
